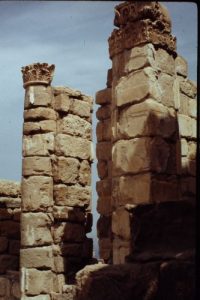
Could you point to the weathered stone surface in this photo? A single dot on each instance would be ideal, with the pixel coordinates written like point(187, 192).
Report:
point(72, 214)
point(3, 244)
point(104, 205)
point(38, 144)
point(35, 229)
point(10, 202)
point(102, 168)
point(147, 119)
point(184, 147)
point(103, 112)
point(37, 282)
point(38, 95)
point(40, 297)
point(39, 127)
point(85, 173)
point(194, 128)
point(74, 125)
point(8, 262)
point(9, 188)
point(188, 166)
point(164, 61)
point(103, 150)
point(10, 228)
point(103, 130)
point(36, 166)
point(121, 249)
point(15, 290)
point(40, 113)
point(80, 108)
point(72, 146)
point(192, 108)
point(41, 257)
point(165, 189)
point(66, 170)
point(188, 87)
point(192, 151)
point(4, 286)
point(104, 187)
point(121, 221)
point(185, 126)
point(139, 155)
point(105, 249)
point(109, 78)
point(37, 193)
point(181, 66)
point(62, 102)
point(104, 96)
point(184, 104)
point(166, 83)
point(68, 232)
point(136, 87)
point(176, 92)
point(104, 227)
point(72, 195)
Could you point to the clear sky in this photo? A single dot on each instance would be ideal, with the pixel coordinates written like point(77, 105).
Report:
point(73, 36)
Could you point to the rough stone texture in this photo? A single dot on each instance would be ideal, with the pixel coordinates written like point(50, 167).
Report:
point(68, 232)
point(39, 127)
point(38, 96)
point(66, 170)
point(40, 113)
point(74, 125)
point(36, 166)
point(41, 257)
point(38, 144)
point(9, 188)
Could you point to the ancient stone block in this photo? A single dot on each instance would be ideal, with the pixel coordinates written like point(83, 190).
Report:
point(38, 95)
point(37, 282)
point(188, 166)
point(80, 108)
point(102, 168)
point(146, 119)
point(10, 202)
point(105, 249)
point(104, 96)
point(35, 229)
point(36, 165)
point(3, 244)
point(104, 187)
point(104, 206)
point(194, 128)
point(72, 214)
point(40, 113)
point(39, 127)
point(41, 257)
point(8, 262)
point(139, 155)
point(15, 290)
point(103, 150)
point(40, 297)
point(37, 193)
point(103, 130)
point(136, 87)
point(184, 147)
point(192, 108)
point(68, 232)
point(85, 173)
point(184, 104)
point(188, 87)
point(72, 146)
point(118, 64)
point(165, 189)
point(104, 227)
point(164, 61)
point(121, 223)
point(4, 286)
point(62, 102)
point(38, 144)
point(72, 195)
point(9, 188)
point(74, 125)
point(185, 126)
point(121, 249)
point(192, 151)
point(176, 92)
point(166, 83)
point(66, 170)
point(181, 66)
point(103, 112)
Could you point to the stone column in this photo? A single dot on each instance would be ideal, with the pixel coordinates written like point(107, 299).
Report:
point(36, 255)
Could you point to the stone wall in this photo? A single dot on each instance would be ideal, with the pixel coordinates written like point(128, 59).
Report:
point(10, 208)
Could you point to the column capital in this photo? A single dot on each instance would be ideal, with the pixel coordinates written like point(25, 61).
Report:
point(37, 73)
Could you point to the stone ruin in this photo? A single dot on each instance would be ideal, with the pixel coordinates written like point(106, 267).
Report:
point(146, 153)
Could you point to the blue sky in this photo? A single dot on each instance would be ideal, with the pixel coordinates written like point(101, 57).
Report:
point(73, 36)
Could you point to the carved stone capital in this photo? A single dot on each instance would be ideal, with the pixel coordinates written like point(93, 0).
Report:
point(37, 73)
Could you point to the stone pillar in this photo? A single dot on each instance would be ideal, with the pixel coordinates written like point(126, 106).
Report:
point(146, 119)
point(36, 255)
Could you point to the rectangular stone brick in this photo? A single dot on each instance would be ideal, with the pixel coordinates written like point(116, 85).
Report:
point(67, 232)
point(105, 249)
point(188, 87)
point(165, 189)
point(193, 108)
point(103, 150)
point(72, 214)
point(80, 108)
point(103, 112)
point(38, 144)
point(41, 257)
point(38, 95)
point(85, 173)
point(192, 150)
point(66, 170)
point(121, 249)
point(184, 147)
point(104, 187)
point(10, 202)
point(188, 166)
point(72, 195)
point(164, 61)
point(185, 126)
point(62, 102)
point(36, 166)
point(10, 188)
point(104, 96)
point(166, 85)
point(121, 223)
point(72, 146)
point(104, 206)
point(181, 66)
point(4, 287)
point(103, 130)
point(39, 127)
point(40, 113)
point(37, 193)
point(102, 169)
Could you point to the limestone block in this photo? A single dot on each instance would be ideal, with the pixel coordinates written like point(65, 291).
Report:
point(104, 187)
point(103, 112)
point(118, 63)
point(166, 84)
point(104, 227)
point(105, 249)
point(139, 155)
point(188, 166)
point(165, 189)
point(188, 87)
point(85, 173)
point(192, 151)
point(37, 193)
point(59, 264)
point(184, 104)
point(72, 195)
point(136, 87)
point(4, 287)
point(10, 202)
point(14, 246)
point(146, 119)
point(67, 90)
point(9, 188)
point(185, 126)
point(103, 130)
point(184, 147)
point(188, 186)
point(38, 282)
point(67, 232)
point(39, 127)
point(36, 165)
point(72, 146)
point(102, 169)
point(103, 151)
point(8, 262)
point(68, 249)
point(121, 249)
point(139, 57)
point(121, 223)
point(41, 257)
point(35, 229)
point(40, 113)
point(181, 66)
point(15, 290)
point(164, 61)
point(10, 228)
point(62, 102)
point(176, 92)
point(80, 108)
point(40, 297)
point(38, 95)
point(72, 214)
point(131, 190)
point(3, 244)
point(66, 170)
point(74, 125)
point(38, 144)
point(16, 214)
point(104, 206)
point(192, 108)
point(104, 96)
point(194, 128)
